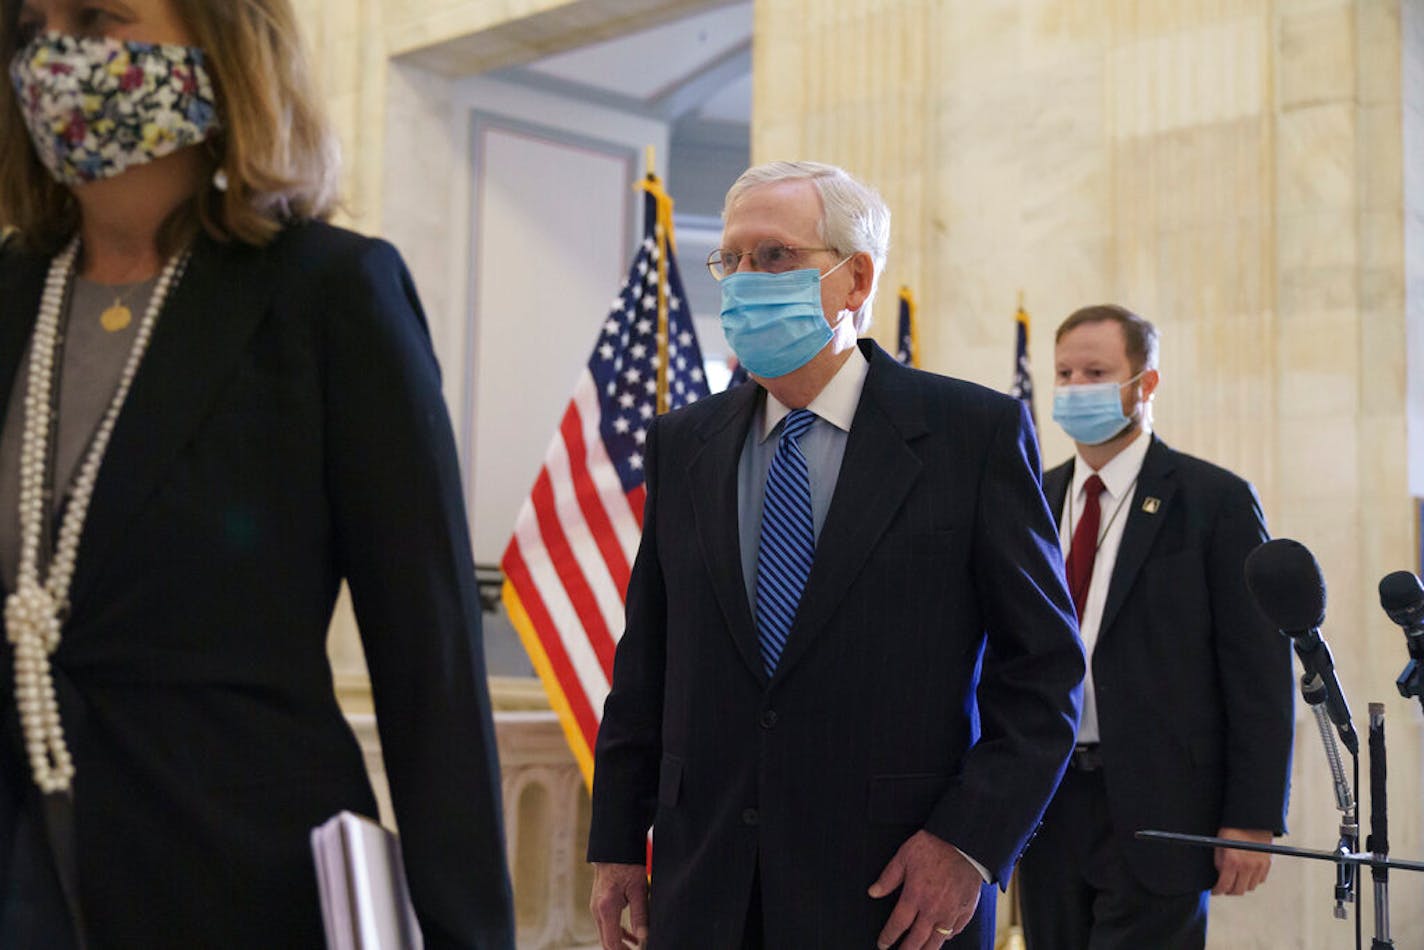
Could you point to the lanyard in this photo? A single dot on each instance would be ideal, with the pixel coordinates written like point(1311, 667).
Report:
point(1103, 531)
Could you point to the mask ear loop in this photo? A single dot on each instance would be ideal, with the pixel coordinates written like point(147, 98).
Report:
point(1130, 381)
point(1143, 401)
point(840, 318)
point(838, 267)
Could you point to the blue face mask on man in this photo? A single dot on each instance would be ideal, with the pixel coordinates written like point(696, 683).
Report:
point(773, 322)
point(1091, 413)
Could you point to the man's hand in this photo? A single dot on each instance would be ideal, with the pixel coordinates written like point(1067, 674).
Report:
point(939, 891)
point(616, 886)
point(1239, 872)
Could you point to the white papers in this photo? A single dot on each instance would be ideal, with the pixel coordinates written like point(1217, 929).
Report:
point(365, 904)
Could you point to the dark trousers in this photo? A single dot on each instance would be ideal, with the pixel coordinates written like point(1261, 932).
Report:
point(1076, 889)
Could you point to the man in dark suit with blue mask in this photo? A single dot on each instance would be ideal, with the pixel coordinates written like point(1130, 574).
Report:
point(1187, 710)
point(849, 678)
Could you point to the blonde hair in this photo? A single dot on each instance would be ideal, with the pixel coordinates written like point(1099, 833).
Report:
point(276, 147)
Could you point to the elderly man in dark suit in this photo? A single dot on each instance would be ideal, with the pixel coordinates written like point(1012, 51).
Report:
point(1187, 710)
point(850, 675)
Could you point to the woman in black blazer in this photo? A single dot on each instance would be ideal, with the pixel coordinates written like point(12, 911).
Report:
point(214, 409)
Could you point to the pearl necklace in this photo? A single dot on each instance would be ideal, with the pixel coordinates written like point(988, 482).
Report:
point(35, 612)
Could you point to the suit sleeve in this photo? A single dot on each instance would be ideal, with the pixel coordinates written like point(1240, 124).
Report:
point(1030, 687)
point(399, 519)
point(1254, 668)
point(629, 747)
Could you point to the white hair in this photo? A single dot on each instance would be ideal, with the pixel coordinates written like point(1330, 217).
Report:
point(854, 218)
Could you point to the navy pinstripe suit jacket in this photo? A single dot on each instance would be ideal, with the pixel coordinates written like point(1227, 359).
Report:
point(930, 680)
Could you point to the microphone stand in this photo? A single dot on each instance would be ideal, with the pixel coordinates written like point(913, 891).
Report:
point(1312, 690)
point(1378, 841)
point(1345, 857)
point(1356, 859)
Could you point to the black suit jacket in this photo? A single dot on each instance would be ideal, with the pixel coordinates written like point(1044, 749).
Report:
point(1193, 685)
point(285, 431)
point(878, 722)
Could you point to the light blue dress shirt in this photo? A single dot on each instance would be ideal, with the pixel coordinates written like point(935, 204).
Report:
point(823, 445)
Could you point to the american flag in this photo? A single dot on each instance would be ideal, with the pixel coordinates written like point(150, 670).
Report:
point(566, 568)
point(908, 352)
point(1023, 380)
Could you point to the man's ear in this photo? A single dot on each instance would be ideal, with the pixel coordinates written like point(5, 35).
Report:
point(1149, 381)
point(862, 270)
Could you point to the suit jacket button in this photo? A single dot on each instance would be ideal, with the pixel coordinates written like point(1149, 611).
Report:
point(768, 718)
point(750, 817)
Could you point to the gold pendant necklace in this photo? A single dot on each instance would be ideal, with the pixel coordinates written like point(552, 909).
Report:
point(116, 317)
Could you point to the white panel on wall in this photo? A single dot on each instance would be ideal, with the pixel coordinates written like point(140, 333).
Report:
point(551, 240)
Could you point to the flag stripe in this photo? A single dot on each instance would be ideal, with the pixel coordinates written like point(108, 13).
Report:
point(560, 698)
point(590, 459)
point(637, 499)
point(561, 671)
point(570, 574)
point(564, 624)
point(582, 533)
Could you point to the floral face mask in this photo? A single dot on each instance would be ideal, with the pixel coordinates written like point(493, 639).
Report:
point(95, 107)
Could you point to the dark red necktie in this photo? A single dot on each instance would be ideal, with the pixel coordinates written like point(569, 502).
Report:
point(1085, 545)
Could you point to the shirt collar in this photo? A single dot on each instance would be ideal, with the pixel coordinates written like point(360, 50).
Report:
point(836, 402)
point(1120, 471)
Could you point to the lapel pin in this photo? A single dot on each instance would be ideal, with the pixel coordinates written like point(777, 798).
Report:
point(1150, 505)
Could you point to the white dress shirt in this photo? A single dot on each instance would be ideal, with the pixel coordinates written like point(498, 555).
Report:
point(836, 402)
point(1119, 477)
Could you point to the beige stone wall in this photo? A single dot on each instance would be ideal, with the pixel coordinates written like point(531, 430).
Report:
point(354, 42)
point(351, 50)
point(1412, 43)
point(1230, 168)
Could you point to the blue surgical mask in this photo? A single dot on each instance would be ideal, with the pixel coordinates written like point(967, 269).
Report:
point(1091, 413)
point(773, 322)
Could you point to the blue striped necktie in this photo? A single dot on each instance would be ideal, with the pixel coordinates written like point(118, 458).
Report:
point(788, 539)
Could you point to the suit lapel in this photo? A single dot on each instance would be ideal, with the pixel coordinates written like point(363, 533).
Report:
point(876, 473)
point(20, 287)
point(712, 475)
point(199, 338)
point(1153, 481)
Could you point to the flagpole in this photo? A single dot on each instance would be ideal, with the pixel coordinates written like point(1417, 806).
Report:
point(663, 229)
point(908, 296)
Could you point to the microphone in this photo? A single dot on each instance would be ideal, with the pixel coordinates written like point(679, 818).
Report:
point(1284, 578)
point(1402, 597)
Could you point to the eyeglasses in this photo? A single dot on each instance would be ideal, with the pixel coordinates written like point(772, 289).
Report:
point(772, 257)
